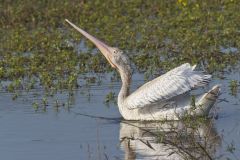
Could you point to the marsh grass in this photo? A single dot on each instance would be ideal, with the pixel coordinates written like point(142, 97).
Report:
point(39, 48)
point(233, 85)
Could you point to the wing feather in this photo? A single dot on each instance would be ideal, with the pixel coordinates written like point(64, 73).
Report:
point(175, 82)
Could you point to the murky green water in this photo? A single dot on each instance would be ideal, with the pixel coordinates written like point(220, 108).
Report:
point(90, 129)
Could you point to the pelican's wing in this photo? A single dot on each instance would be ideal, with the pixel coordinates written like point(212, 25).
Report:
point(175, 82)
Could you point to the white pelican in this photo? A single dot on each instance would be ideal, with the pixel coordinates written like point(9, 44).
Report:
point(163, 98)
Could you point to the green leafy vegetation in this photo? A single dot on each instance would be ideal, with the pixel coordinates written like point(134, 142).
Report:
point(234, 87)
point(110, 97)
point(37, 48)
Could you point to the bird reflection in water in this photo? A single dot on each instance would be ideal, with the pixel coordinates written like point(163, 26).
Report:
point(175, 140)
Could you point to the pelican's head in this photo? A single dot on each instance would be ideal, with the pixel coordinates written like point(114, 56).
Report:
point(115, 56)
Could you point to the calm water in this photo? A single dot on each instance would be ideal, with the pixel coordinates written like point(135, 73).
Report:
point(76, 133)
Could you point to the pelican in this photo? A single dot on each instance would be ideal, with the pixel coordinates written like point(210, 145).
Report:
point(166, 97)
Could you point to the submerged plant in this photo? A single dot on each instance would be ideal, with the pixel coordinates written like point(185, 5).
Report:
point(234, 87)
point(38, 50)
point(35, 105)
point(110, 97)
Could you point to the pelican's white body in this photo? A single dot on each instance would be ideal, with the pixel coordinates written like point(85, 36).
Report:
point(167, 97)
point(173, 109)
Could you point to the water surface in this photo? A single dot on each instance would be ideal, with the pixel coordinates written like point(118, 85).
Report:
point(90, 129)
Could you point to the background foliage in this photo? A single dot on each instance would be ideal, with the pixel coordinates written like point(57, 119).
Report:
point(38, 47)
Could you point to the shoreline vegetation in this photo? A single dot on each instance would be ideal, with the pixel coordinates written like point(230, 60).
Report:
point(38, 49)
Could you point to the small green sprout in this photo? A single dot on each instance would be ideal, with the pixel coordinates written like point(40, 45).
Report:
point(234, 87)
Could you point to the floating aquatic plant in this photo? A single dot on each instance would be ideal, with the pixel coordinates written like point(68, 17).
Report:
point(234, 87)
point(37, 48)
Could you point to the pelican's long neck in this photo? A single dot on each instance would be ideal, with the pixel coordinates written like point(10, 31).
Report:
point(126, 78)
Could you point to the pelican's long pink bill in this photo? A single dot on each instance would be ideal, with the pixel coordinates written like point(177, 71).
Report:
point(104, 48)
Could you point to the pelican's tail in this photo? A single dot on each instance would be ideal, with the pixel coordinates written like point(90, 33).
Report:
point(207, 101)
